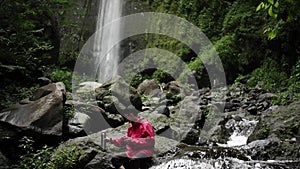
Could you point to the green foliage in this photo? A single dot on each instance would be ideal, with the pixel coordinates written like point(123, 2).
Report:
point(137, 79)
point(292, 93)
point(228, 53)
point(66, 157)
point(29, 43)
point(235, 30)
point(270, 6)
point(28, 33)
point(161, 76)
point(19, 93)
point(197, 67)
point(68, 58)
point(48, 157)
point(62, 75)
point(172, 45)
point(269, 76)
point(33, 159)
point(69, 112)
point(282, 13)
point(37, 160)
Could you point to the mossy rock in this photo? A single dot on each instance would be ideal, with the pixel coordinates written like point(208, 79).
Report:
point(116, 94)
point(282, 124)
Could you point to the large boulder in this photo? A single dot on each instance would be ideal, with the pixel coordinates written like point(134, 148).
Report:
point(78, 124)
point(103, 156)
point(160, 122)
point(86, 90)
point(39, 117)
point(88, 119)
point(42, 113)
point(148, 87)
point(179, 123)
point(174, 92)
point(185, 118)
point(280, 128)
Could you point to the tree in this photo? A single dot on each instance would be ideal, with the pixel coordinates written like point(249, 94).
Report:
point(281, 12)
point(29, 37)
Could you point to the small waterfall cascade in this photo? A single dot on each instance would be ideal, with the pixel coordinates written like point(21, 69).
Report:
point(107, 34)
point(241, 131)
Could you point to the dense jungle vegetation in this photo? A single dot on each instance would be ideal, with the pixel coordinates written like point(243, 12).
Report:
point(257, 41)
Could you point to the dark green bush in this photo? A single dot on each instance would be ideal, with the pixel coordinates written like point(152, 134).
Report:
point(62, 75)
point(162, 77)
point(48, 157)
point(269, 76)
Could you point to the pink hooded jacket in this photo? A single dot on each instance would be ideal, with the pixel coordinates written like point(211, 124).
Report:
point(141, 142)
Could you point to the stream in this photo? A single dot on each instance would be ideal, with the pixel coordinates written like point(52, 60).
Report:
point(237, 141)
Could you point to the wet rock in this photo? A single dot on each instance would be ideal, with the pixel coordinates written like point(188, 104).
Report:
point(252, 110)
point(116, 96)
point(266, 96)
point(99, 162)
point(148, 87)
point(174, 92)
point(159, 122)
point(192, 137)
point(43, 81)
point(230, 130)
point(184, 117)
point(283, 124)
point(173, 87)
point(92, 119)
point(79, 124)
point(259, 148)
point(39, 117)
point(184, 163)
point(86, 91)
point(163, 110)
point(200, 152)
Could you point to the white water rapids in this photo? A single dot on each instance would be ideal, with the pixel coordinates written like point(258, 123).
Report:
point(242, 130)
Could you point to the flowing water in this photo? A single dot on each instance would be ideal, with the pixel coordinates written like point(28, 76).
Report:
point(242, 129)
point(226, 163)
point(107, 34)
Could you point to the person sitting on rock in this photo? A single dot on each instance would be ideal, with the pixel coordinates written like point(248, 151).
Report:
point(139, 142)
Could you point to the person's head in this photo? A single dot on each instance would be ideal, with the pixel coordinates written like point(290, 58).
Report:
point(131, 114)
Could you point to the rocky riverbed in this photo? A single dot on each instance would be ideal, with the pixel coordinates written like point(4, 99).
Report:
point(234, 127)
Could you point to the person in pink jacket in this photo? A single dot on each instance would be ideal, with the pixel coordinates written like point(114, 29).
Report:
point(139, 142)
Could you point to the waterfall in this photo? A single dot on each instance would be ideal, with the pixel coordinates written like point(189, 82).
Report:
point(105, 37)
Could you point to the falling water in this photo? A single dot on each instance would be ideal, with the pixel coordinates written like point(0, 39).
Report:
point(242, 130)
point(107, 34)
